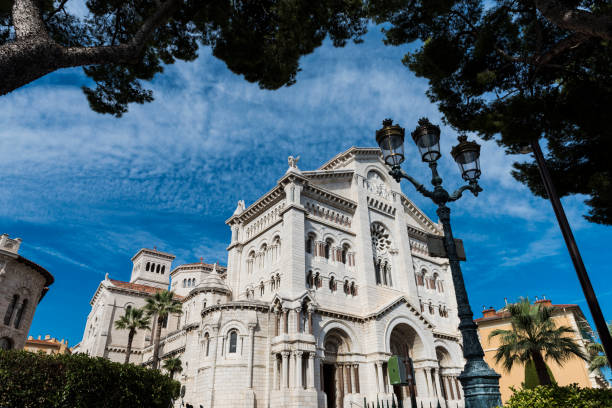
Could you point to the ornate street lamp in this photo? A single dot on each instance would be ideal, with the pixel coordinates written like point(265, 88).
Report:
point(480, 383)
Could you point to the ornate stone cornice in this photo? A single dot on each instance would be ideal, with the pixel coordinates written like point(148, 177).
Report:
point(348, 155)
point(258, 306)
point(266, 201)
point(327, 197)
point(446, 336)
point(420, 216)
point(328, 174)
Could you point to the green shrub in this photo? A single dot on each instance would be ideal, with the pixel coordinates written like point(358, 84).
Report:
point(554, 396)
point(29, 380)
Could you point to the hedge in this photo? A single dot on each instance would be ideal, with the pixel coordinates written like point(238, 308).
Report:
point(29, 380)
point(553, 396)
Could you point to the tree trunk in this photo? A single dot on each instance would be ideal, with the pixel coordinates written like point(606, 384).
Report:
point(541, 369)
point(160, 322)
point(128, 351)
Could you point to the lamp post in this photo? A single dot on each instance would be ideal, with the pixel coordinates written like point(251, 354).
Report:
point(480, 383)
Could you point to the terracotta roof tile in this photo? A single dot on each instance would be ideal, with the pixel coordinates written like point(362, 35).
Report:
point(502, 315)
point(135, 286)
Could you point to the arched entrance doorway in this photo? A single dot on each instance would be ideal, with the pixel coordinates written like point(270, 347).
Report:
point(405, 343)
point(339, 372)
point(450, 387)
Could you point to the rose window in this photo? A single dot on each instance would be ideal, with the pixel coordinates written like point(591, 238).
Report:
point(380, 238)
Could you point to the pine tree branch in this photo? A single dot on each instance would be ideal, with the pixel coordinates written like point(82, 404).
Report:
point(579, 21)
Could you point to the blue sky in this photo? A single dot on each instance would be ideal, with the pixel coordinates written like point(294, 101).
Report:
point(85, 192)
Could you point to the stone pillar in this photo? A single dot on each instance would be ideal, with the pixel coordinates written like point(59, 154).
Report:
point(276, 322)
point(310, 313)
point(356, 371)
point(311, 372)
point(251, 352)
point(285, 321)
point(292, 370)
point(297, 318)
point(381, 386)
point(352, 369)
point(430, 391)
point(275, 372)
point(345, 377)
point(284, 370)
point(439, 385)
point(298, 370)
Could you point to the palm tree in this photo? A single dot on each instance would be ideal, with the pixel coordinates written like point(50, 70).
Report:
point(133, 320)
point(173, 365)
point(535, 336)
point(597, 357)
point(162, 304)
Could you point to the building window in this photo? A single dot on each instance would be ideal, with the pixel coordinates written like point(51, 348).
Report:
point(206, 343)
point(261, 289)
point(250, 261)
point(328, 244)
point(332, 284)
point(163, 269)
point(20, 313)
point(233, 341)
point(353, 289)
point(147, 267)
point(9, 312)
point(309, 280)
point(377, 271)
point(317, 280)
point(158, 268)
point(309, 241)
point(347, 287)
point(345, 249)
point(6, 343)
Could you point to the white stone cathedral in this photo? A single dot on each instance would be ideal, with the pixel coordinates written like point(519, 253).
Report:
point(328, 275)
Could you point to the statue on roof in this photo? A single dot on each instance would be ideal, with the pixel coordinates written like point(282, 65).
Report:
point(240, 207)
point(293, 161)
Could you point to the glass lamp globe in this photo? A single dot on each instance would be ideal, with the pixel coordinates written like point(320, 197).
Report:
point(427, 138)
point(467, 156)
point(390, 138)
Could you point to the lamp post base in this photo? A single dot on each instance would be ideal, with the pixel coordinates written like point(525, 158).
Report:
point(480, 385)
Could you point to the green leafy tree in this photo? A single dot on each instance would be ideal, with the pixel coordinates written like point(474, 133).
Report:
point(535, 337)
point(597, 356)
point(162, 304)
point(173, 365)
point(133, 320)
point(122, 43)
point(517, 71)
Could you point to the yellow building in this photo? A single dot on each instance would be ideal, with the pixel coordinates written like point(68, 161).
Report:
point(574, 370)
point(47, 345)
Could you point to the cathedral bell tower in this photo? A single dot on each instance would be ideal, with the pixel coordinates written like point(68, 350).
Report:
point(152, 268)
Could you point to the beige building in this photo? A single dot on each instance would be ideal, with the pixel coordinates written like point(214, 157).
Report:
point(575, 370)
point(47, 345)
point(22, 286)
point(328, 275)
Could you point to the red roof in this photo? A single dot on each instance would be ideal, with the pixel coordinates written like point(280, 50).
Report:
point(139, 287)
point(136, 286)
point(504, 314)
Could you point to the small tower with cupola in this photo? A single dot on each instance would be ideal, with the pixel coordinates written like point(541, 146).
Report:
point(152, 268)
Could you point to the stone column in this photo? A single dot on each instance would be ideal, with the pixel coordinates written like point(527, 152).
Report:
point(276, 322)
point(381, 386)
point(347, 380)
point(298, 369)
point(356, 371)
point(352, 369)
point(311, 372)
point(251, 352)
point(310, 313)
point(285, 321)
point(292, 370)
point(275, 372)
point(439, 385)
point(298, 323)
point(284, 370)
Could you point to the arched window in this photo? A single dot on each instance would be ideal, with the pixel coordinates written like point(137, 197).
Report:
point(309, 242)
point(6, 343)
point(431, 308)
point(184, 282)
point(353, 289)
point(9, 312)
point(317, 280)
point(347, 287)
point(332, 284)
point(128, 308)
point(420, 277)
point(20, 313)
point(345, 249)
point(262, 288)
point(147, 267)
point(277, 280)
point(194, 282)
point(158, 268)
point(377, 271)
point(163, 269)
point(233, 341)
point(250, 261)
point(206, 343)
point(309, 280)
point(434, 281)
point(328, 244)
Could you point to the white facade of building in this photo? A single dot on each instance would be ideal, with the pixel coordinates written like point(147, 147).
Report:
point(328, 275)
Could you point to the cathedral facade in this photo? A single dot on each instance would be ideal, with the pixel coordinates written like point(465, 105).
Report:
point(328, 276)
